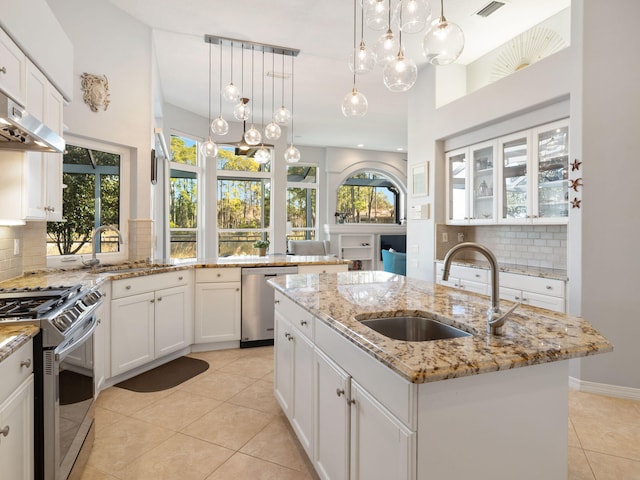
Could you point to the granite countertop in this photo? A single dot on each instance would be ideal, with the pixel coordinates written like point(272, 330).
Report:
point(12, 337)
point(533, 335)
point(543, 272)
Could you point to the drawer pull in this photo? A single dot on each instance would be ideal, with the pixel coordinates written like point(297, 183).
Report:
point(303, 322)
point(152, 301)
point(128, 287)
point(218, 275)
point(3, 70)
point(339, 391)
point(180, 277)
point(25, 363)
point(276, 302)
point(549, 287)
point(5, 431)
point(160, 299)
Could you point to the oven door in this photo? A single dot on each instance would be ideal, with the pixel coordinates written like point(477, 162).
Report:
point(68, 403)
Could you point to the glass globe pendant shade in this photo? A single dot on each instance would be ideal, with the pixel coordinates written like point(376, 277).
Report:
point(252, 136)
point(375, 14)
point(262, 156)
point(412, 16)
point(292, 154)
point(231, 93)
point(282, 116)
point(241, 111)
point(272, 131)
point(400, 74)
point(443, 42)
point(363, 61)
point(354, 104)
point(209, 149)
point(386, 48)
point(219, 126)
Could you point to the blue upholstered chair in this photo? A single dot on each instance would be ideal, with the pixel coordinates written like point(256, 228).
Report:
point(394, 262)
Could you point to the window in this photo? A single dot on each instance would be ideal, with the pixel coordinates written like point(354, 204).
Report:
point(368, 197)
point(302, 195)
point(91, 197)
point(243, 201)
point(183, 198)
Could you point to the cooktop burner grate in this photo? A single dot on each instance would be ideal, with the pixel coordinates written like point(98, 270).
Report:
point(33, 302)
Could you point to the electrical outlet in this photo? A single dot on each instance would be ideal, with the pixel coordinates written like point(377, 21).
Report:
point(445, 237)
point(16, 246)
point(461, 237)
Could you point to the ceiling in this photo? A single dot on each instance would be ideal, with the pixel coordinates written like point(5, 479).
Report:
point(323, 32)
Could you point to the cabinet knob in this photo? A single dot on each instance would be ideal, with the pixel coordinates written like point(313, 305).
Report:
point(237, 289)
point(276, 302)
point(351, 402)
point(549, 287)
point(303, 322)
point(152, 301)
point(517, 298)
point(180, 277)
point(339, 391)
point(286, 335)
point(218, 275)
point(160, 299)
point(3, 70)
point(477, 275)
point(5, 431)
point(525, 299)
point(128, 287)
point(25, 363)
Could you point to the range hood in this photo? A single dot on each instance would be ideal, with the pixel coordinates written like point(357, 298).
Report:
point(21, 131)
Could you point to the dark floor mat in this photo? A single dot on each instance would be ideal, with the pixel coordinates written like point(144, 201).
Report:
point(74, 387)
point(165, 376)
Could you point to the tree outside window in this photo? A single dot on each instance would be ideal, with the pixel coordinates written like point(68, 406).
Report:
point(183, 198)
point(368, 197)
point(302, 190)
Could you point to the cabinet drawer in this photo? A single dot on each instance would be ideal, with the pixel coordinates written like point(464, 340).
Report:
point(322, 268)
point(295, 314)
point(464, 273)
point(218, 275)
point(543, 286)
point(15, 369)
point(136, 285)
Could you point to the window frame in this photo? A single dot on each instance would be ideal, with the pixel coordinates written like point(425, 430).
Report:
point(59, 261)
point(306, 185)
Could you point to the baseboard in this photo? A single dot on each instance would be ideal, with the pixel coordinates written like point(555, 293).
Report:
point(604, 389)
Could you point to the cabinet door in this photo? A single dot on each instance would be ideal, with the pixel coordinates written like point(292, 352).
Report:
point(303, 383)
point(132, 327)
point(331, 441)
point(217, 312)
point(544, 301)
point(457, 187)
point(283, 368)
point(16, 433)
point(483, 204)
point(99, 346)
point(514, 200)
point(13, 66)
point(381, 447)
point(551, 154)
point(172, 329)
point(53, 161)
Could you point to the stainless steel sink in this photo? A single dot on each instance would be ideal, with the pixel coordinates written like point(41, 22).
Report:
point(413, 328)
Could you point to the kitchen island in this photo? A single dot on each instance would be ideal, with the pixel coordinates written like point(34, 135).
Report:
point(478, 406)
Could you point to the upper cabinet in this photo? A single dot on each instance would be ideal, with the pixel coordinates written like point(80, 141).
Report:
point(515, 179)
point(13, 69)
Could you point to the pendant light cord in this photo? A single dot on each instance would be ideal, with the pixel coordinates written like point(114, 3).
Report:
point(355, 19)
point(220, 83)
point(262, 107)
point(252, 97)
point(282, 79)
point(273, 85)
point(209, 87)
point(292, 81)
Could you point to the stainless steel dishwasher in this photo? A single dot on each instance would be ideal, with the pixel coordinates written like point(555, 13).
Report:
point(257, 305)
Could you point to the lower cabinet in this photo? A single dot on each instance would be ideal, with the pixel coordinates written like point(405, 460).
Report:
point(217, 305)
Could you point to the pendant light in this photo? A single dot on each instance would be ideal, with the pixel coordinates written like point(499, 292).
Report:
point(242, 110)
point(401, 73)
point(253, 135)
point(209, 148)
point(354, 103)
point(444, 41)
point(375, 13)
point(220, 126)
point(230, 93)
point(364, 59)
point(387, 45)
point(283, 115)
point(412, 16)
point(263, 155)
point(292, 154)
point(273, 130)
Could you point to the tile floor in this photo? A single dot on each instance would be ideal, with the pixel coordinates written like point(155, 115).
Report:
point(226, 424)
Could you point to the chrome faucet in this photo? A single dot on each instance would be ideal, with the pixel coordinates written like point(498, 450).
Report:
point(96, 238)
point(495, 318)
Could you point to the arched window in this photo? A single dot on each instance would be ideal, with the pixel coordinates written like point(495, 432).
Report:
point(368, 197)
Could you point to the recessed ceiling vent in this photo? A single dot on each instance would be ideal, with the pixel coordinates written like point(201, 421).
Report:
point(489, 8)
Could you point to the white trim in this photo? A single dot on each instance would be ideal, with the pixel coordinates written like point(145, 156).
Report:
point(617, 391)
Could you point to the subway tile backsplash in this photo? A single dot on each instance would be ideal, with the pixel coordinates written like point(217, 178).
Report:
point(526, 245)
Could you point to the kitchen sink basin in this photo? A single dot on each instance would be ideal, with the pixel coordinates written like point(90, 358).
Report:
point(413, 328)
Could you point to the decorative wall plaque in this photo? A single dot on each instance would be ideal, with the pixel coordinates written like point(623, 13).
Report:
point(95, 91)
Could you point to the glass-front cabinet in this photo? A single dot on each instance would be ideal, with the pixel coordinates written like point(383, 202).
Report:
point(471, 178)
point(514, 179)
point(552, 163)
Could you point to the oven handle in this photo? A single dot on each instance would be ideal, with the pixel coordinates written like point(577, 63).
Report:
point(87, 334)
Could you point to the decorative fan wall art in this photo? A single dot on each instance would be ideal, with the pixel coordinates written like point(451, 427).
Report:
point(525, 49)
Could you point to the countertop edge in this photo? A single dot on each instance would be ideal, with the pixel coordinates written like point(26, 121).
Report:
point(12, 337)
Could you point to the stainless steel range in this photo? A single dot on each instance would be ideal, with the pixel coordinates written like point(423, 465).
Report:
point(63, 370)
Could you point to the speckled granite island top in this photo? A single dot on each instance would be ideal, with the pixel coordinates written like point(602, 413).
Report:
point(533, 335)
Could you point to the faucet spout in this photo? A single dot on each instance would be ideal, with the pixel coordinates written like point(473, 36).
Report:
point(495, 318)
point(96, 239)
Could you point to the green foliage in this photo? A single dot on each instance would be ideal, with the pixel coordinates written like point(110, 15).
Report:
point(364, 204)
point(261, 244)
point(181, 153)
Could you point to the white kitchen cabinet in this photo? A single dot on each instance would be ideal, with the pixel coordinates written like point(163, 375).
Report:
point(217, 305)
point(13, 69)
point(359, 248)
point(466, 278)
point(322, 268)
point(149, 321)
point(471, 179)
point(101, 339)
point(16, 415)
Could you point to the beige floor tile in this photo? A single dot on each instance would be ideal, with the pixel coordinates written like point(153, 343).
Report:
point(620, 439)
point(104, 417)
point(608, 467)
point(250, 366)
point(217, 358)
point(218, 385)
point(229, 425)
point(127, 402)
point(277, 443)
point(119, 444)
point(599, 407)
point(243, 467)
point(573, 437)
point(180, 457)
point(258, 396)
point(177, 410)
point(266, 351)
point(91, 473)
point(578, 464)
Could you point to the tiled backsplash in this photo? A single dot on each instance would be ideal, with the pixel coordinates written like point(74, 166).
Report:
point(528, 245)
point(10, 263)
